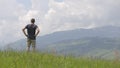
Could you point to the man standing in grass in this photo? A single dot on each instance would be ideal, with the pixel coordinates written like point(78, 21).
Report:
point(32, 32)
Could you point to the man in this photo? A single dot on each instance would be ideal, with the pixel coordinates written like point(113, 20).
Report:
point(32, 32)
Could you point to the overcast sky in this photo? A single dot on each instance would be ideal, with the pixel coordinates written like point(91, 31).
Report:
point(55, 15)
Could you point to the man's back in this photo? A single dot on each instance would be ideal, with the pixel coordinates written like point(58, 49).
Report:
point(31, 29)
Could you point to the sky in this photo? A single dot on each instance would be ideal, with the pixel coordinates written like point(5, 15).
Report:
point(55, 15)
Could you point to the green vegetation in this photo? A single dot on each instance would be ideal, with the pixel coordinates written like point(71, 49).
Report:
point(41, 60)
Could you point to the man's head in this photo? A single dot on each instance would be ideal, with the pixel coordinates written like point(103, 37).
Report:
point(33, 20)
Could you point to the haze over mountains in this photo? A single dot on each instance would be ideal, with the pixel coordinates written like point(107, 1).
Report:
point(96, 42)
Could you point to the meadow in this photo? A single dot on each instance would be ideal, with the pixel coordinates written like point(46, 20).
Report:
point(11, 59)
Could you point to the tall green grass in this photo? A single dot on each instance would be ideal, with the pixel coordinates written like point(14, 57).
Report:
point(40, 60)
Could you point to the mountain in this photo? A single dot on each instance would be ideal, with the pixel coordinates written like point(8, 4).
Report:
point(98, 42)
point(92, 47)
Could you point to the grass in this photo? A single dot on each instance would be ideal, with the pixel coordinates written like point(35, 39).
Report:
point(41, 60)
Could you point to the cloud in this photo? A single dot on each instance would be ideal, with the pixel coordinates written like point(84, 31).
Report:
point(71, 15)
point(9, 22)
point(56, 15)
point(83, 13)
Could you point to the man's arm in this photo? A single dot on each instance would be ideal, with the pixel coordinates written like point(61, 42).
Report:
point(38, 31)
point(24, 31)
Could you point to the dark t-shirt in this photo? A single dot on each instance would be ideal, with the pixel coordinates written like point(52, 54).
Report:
point(31, 29)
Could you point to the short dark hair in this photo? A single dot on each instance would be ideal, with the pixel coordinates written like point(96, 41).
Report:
point(33, 20)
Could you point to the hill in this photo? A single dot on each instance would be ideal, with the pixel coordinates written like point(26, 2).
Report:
point(97, 42)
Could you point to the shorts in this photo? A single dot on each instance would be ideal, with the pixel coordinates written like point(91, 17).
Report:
point(31, 43)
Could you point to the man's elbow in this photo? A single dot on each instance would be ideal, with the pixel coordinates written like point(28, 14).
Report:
point(23, 29)
point(38, 31)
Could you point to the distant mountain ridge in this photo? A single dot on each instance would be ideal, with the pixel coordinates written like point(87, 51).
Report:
point(77, 42)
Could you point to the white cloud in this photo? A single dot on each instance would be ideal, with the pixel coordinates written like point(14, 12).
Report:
point(9, 23)
point(84, 13)
point(70, 15)
point(56, 15)
point(30, 14)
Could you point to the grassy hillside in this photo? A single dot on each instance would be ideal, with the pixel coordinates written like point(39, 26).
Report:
point(90, 47)
point(40, 60)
